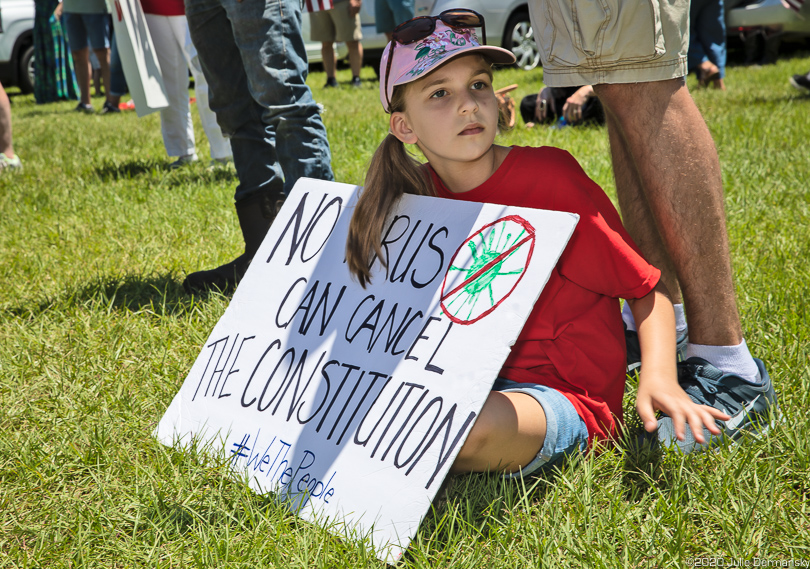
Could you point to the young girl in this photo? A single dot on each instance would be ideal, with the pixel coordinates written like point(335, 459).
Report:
point(562, 386)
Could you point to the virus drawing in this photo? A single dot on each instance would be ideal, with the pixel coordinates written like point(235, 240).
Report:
point(489, 265)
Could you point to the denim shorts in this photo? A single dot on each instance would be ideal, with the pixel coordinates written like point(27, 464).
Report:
point(566, 432)
point(80, 26)
point(582, 42)
point(388, 14)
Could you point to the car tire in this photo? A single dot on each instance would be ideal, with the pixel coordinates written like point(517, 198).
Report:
point(519, 39)
point(26, 71)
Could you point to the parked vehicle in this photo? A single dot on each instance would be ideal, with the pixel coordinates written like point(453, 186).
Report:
point(17, 44)
point(508, 26)
point(767, 13)
point(507, 22)
point(763, 25)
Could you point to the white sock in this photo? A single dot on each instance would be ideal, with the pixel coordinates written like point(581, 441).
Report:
point(680, 318)
point(728, 359)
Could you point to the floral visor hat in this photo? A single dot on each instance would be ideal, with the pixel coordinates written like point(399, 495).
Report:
point(415, 60)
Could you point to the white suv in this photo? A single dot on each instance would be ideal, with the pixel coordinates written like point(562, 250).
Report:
point(17, 44)
point(507, 21)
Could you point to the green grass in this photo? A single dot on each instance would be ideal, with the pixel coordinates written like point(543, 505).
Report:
point(96, 336)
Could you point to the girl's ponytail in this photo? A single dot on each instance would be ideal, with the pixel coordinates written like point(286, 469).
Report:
point(392, 172)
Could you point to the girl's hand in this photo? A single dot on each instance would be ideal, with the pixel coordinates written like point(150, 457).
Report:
point(658, 388)
point(58, 12)
point(656, 393)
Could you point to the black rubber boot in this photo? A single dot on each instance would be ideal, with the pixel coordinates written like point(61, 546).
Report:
point(255, 214)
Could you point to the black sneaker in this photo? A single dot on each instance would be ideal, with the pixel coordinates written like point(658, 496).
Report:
point(330, 82)
point(356, 82)
point(82, 108)
point(109, 108)
point(752, 408)
point(634, 349)
point(801, 82)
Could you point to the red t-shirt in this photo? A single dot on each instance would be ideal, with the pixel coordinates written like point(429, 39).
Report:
point(573, 340)
point(163, 7)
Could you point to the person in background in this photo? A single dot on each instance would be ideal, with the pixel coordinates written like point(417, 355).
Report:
point(8, 160)
point(341, 23)
point(707, 42)
point(576, 105)
point(254, 59)
point(176, 54)
point(88, 26)
point(54, 76)
point(389, 14)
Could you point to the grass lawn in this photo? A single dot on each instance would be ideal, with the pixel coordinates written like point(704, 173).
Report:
point(96, 336)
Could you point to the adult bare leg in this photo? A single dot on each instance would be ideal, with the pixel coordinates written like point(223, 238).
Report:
point(103, 56)
point(329, 59)
point(355, 57)
point(81, 63)
point(507, 435)
point(637, 218)
point(679, 174)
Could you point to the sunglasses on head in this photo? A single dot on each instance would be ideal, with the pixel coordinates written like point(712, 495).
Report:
point(422, 26)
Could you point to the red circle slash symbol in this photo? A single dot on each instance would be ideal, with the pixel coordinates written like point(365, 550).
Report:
point(492, 261)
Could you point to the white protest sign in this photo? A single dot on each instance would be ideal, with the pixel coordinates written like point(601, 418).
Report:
point(138, 57)
point(353, 403)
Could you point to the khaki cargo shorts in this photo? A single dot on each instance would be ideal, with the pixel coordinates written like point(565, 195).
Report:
point(587, 42)
point(335, 24)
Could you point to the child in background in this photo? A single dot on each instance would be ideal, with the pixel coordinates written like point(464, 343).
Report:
point(561, 388)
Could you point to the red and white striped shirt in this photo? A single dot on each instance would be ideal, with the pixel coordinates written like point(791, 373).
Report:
point(318, 5)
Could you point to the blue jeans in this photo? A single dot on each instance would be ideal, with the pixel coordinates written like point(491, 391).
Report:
point(253, 57)
point(707, 34)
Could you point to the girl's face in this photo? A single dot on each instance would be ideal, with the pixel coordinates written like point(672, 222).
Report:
point(451, 113)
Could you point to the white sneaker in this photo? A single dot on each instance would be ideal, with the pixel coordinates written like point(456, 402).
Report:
point(13, 163)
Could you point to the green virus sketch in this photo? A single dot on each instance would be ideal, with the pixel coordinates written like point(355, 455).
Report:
point(500, 253)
